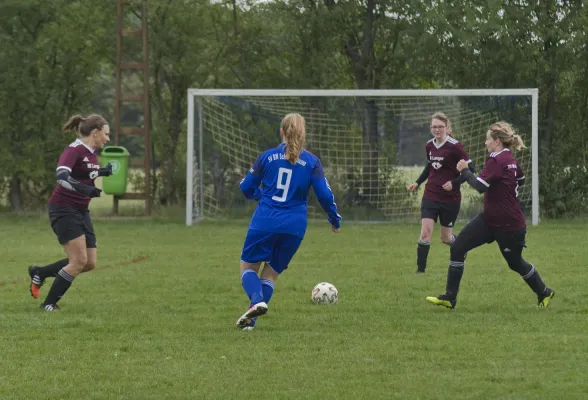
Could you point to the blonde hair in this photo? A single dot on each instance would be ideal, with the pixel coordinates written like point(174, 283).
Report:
point(84, 126)
point(441, 116)
point(294, 128)
point(504, 132)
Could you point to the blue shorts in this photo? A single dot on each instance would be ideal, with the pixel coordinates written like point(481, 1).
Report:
point(276, 249)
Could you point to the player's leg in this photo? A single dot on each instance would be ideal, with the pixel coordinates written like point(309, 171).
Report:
point(68, 225)
point(284, 250)
point(59, 217)
point(268, 282)
point(91, 244)
point(429, 214)
point(511, 244)
point(92, 256)
point(253, 288)
point(256, 249)
point(77, 254)
point(39, 273)
point(474, 234)
point(447, 217)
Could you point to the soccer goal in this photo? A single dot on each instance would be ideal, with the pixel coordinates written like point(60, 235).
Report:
point(371, 143)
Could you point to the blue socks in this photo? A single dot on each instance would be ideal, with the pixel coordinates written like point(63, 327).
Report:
point(267, 287)
point(252, 285)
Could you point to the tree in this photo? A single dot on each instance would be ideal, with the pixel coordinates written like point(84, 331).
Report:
point(45, 75)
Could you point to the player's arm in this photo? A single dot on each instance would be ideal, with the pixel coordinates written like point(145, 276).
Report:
point(106, 171)
point(424, 174)
point(461, 153)
point(250, 184)
point(489, 173)
point(325, 195)
point(461, 178)
point(520, 176)
point(66, 181)
point(474, 181)
point(67, 160)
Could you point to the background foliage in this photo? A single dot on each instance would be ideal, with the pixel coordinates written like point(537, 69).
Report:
point(58, 59)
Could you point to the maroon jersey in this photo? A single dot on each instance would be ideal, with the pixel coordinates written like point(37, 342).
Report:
point(443, 159)
point(82, 163)
point(501, 174)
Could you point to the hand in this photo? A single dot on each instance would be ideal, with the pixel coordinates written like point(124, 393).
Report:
point(461, 165)
point(447, 186)
point(106, 171)
point(334, 229)
point(412, 187)
point(95, 192)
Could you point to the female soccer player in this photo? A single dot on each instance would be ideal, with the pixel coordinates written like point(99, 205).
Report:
point(502, 219)
point(279, 223)
point(68, 208)
point(442, 196)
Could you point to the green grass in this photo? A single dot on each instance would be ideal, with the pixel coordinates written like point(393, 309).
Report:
point(163, 328)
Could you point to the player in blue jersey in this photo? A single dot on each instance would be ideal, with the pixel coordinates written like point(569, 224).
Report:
point(278, 225)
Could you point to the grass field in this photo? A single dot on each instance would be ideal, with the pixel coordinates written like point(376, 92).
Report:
point(159, 323)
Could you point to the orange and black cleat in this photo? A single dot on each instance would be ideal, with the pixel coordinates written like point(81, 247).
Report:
point(36, 281)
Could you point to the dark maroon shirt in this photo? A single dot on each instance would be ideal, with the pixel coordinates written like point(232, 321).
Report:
point(501, 175)
point(443, 159)
point(82, 163)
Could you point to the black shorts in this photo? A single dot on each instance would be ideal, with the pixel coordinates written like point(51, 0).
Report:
point(69, 223)
point(477, 232)
point(447, 212)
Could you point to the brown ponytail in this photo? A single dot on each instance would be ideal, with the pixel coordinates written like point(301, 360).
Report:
point(84, 126)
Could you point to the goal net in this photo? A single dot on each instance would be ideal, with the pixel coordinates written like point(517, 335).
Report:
point(371, 144)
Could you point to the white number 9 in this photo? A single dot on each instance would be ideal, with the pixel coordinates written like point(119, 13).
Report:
point(283, 186)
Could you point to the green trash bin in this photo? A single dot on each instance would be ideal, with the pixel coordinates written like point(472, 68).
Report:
point(118, 157)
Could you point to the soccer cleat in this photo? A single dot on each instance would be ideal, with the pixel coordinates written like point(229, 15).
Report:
point(250, 326)
point(544, 299)
point(420, 271)
point(36, 281)
point(50, 307)
point(443, 300)
point(256, 310)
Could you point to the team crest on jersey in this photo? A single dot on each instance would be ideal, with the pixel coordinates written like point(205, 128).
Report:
point(436, 161)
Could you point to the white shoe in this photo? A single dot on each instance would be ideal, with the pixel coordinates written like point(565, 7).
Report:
point(255, 310)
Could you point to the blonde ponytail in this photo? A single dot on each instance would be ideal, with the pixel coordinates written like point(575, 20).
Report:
point(517, 143)
point(294, 128)
point(505, 132)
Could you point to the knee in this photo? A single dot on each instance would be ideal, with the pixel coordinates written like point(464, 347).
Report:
point(90, 265)
point(78, 263)
point(520, 266)
point(269, 274)
point(457, 251)
point(426, 234)
point(447, 239)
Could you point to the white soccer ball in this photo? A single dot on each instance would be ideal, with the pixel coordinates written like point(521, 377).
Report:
point(324, 293)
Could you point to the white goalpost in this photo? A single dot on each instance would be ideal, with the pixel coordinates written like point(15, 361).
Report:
point(371, 143)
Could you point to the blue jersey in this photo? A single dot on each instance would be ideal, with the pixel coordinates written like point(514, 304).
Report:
point(283, 196)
